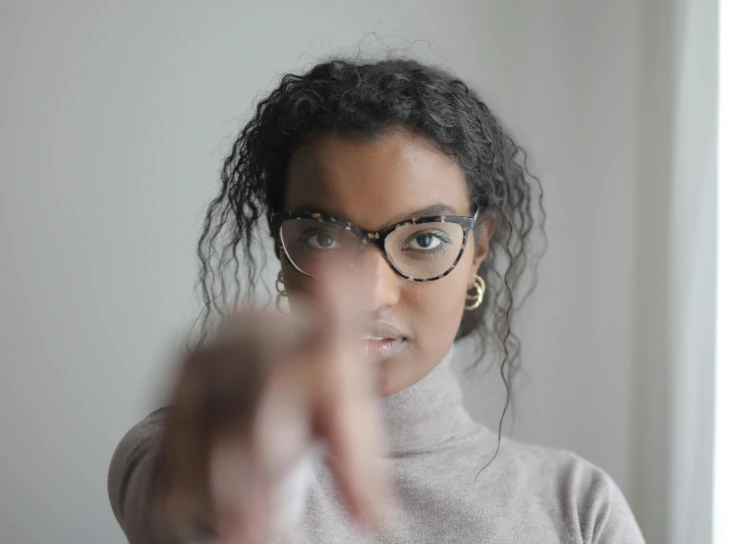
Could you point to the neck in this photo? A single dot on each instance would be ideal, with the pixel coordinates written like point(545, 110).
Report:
point(426, 414)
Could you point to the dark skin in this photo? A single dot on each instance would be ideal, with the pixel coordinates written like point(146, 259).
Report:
point(342, 177)
point(247, 406)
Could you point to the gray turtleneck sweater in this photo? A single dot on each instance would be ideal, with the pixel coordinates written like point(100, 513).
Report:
point(528, 494)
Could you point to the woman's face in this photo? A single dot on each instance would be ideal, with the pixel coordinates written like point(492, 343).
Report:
point(374, 183)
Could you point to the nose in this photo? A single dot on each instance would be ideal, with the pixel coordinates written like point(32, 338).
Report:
point(380, 283)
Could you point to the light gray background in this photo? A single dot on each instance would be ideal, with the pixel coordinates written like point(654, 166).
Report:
point(115, 117)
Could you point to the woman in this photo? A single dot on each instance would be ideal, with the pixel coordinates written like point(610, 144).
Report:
point(404, 219)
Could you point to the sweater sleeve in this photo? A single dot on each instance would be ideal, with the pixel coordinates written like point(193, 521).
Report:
point(587, 501)
point(130, 481)
point(610, 519)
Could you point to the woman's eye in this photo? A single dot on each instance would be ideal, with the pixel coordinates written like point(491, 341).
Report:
point(425, 241)
point(320, 240)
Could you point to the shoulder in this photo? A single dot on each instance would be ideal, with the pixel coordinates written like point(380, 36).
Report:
point(562, 465)
point(141, 440)
point(583, 495)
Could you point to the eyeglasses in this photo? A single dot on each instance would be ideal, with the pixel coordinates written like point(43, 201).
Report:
point(418, 249)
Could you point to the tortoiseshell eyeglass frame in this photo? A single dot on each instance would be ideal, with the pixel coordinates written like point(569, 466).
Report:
point(373, 237)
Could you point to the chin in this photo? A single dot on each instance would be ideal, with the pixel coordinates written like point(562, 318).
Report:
point(390, 375)
point(399, 372)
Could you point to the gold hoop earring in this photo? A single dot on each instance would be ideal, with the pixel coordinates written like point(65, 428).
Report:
point(280, 291)
point(476, 299)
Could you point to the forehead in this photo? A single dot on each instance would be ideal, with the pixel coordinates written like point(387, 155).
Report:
point(373, 182)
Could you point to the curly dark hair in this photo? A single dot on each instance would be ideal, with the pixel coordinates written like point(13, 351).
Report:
point(366, 99)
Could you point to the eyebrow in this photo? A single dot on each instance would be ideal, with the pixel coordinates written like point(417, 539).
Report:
point(434, 209)
point(428, 211)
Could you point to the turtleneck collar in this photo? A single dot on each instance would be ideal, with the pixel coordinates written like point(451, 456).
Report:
point(427, 413)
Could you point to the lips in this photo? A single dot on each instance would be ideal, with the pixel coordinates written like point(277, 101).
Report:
point(383, 340)
point(382, 330)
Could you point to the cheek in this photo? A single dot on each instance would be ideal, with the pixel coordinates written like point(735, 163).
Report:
point(436, 307)
point(295, 284)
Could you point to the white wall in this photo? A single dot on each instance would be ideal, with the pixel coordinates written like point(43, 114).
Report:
point(114, 120)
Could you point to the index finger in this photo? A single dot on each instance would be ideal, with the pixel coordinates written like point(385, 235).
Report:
point(337, 302)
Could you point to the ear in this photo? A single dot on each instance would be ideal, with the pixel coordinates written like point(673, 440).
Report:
point(277, 247)
point(483, 232)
